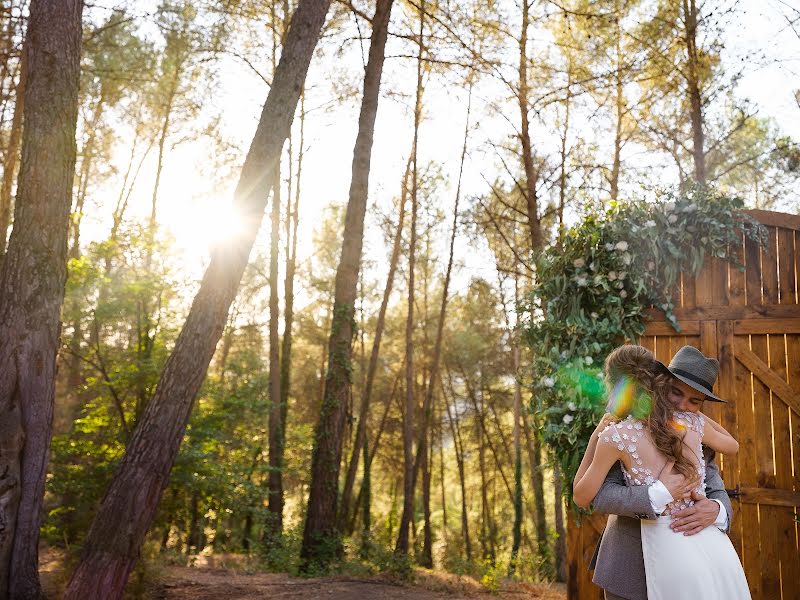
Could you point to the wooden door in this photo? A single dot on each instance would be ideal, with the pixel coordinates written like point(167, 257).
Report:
point(750, 321)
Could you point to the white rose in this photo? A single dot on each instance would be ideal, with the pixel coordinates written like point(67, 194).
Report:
point(578, 263)
point(581, 281)
point(568, 419)
point(612, 275)
point(621, 246)
point(609, 246)
point(594, 315)
point(650, 223)
point(572, 406)
point(626, 259)
point(623, 294)
point(673, 218)
point(593, 266)
point(564, 354)
point(548, 382)
point(588, 360)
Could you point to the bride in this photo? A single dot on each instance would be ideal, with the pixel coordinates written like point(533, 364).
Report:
point(651, 439)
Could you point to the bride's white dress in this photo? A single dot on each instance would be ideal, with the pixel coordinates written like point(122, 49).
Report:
point(678, 567)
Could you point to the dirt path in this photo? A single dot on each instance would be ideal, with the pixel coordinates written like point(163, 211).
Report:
point(229, 577)
point(187, 583)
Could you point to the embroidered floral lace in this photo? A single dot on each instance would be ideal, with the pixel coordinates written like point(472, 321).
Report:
point(642, 462)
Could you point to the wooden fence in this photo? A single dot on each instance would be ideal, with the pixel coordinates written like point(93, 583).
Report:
point(750, 321)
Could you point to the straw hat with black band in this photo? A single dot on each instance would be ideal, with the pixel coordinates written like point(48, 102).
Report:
point(695, 370)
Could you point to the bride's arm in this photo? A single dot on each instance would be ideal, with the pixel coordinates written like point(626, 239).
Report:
point(588, 455)
point(586, 487)
point(717, 438)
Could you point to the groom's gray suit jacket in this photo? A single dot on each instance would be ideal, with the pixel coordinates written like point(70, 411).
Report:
point(617, 562)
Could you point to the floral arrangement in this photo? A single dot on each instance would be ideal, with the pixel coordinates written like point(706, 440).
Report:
point(592, 292)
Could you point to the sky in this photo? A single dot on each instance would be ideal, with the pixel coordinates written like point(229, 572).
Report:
point(195, 200)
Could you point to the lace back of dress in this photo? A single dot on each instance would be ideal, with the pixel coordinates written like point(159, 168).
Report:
point(643, 462)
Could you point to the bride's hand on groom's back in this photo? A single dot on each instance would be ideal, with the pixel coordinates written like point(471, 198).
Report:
point(677, 485)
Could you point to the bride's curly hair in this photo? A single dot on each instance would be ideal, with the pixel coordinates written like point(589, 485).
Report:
point(651, 378)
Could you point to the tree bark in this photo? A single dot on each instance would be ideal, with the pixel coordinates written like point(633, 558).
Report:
point(517, 530)
point(363, 412)
point(12, 152)
point(531, 176)
point(537, 482)
point(561, 547)
point(693, 83)
point(458, 447)
point(321, 540)
point(127, 510)
point(274, 525)
point(32, 282)
point(401, 547)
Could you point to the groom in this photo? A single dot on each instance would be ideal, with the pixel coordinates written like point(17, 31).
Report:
point(618, 560)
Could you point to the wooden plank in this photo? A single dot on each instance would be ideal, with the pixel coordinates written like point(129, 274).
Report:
point(736, 278)
point(662, 349)
point(782, 447)
point(765, 325)
point(725, 414)
point(704, 286)
point(767, 376)
point(775, 219)
point(719, 282)
point(769, 268)
point(664, 328)
point(793, 363)
point(772, 497)
point(648, 341)
point(731, 313)
point(787, 276)
point(752, 259)
point(765, 461)
point(709, 347)
point(748, 477)
point(688, 290)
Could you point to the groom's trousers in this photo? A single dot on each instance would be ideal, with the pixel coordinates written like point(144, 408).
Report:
point(610, 596)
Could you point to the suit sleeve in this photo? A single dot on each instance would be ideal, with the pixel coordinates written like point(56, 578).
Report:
point(715, 488)
point(617, 498)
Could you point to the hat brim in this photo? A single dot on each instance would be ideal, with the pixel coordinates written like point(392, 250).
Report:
point(692, 384)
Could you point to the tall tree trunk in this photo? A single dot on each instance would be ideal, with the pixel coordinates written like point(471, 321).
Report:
point(517, 530)
point(531, 176)
point(32, 282)
point(12, 152)
point(458, 447)
point(620, 111)
point(537, 483)
point(127, 510)
point(292, 216)
point(426, 559)
point(366, 396)
point(562, 178)
point(321, 534)
point(693, 83)
point(401, 548)
point(274, 525)
point(561, 547)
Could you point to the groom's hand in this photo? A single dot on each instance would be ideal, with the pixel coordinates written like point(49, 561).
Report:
point(694, 519)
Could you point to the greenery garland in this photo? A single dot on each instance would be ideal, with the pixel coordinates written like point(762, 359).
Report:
point(592, 293)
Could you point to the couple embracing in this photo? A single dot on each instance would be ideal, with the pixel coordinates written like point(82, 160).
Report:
point(650, 466)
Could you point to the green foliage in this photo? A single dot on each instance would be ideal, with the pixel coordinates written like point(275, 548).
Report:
point(593, 290)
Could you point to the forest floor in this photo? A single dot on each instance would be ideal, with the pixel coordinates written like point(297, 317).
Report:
point(215, 580)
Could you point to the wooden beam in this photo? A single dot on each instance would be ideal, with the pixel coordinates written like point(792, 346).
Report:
point(774, 497)
point(775, 219)
point(769, 377)
point(766, 326)
point(664, 328)
point(730, 313)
